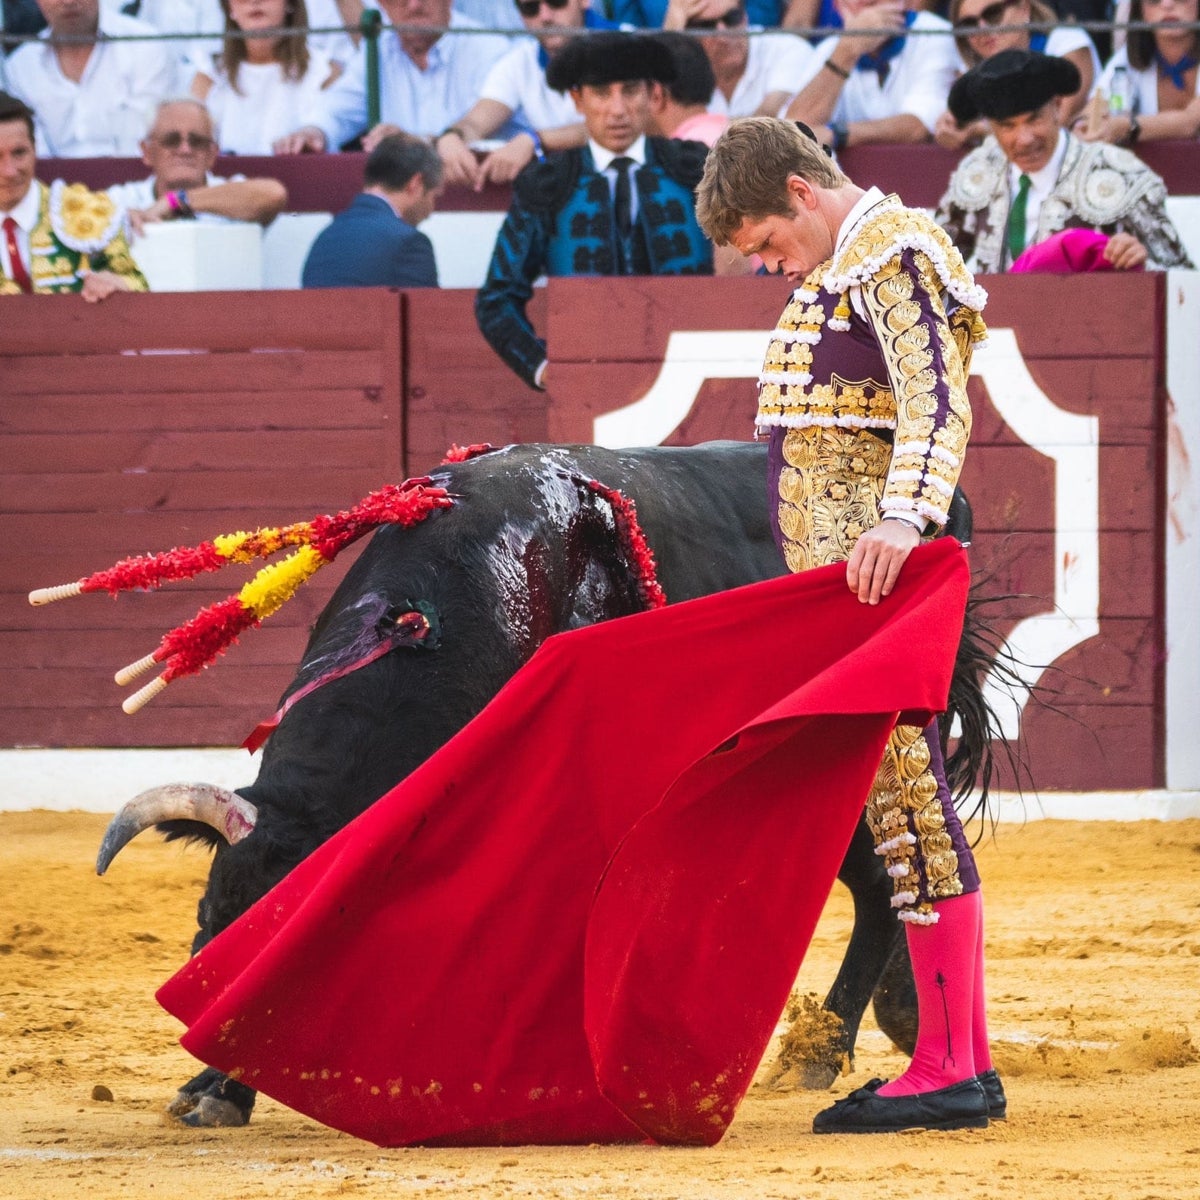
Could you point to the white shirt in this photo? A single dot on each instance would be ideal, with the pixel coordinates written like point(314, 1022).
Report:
point(1041, 184)
point(109, 110)
point(420, 102)
point(918, 80)
point(265, 106)
point(776, 62)
point(604, 162)
point(518, 82)
point(26, 216)
point(1130, 92)
point(180, 16)
point(140, 194)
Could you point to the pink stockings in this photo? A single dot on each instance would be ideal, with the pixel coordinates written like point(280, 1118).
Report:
point(947, 959)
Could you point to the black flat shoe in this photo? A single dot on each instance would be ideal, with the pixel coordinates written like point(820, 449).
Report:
point(959, 1106)
point(993, 1090)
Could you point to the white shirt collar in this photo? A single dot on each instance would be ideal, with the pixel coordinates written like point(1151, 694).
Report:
point(1042, 181)
point(603, 158)
point(26, 212)
point(866, 201)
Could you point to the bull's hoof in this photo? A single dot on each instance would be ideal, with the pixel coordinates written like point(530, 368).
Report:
point(819, 1076)
point(210, 1113)
point(895, 1001)
point(213, 1100)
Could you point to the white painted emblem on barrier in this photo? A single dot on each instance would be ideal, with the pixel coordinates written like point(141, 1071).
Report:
point(1070, 440)
point(1073, 443)
point(691, 358)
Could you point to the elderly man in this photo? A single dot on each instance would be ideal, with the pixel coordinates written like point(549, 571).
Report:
point(180, 148)
point(426, 81)
point(859, 472)
point(621, 205)
point(871, 87)
point(57, 238)
point(375, 242)
point(92, 97)
point(1031, 179)
point(516, 90)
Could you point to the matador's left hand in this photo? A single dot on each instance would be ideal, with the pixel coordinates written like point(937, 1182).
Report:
point(874, 566)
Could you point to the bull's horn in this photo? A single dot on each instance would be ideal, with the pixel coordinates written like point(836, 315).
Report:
point(228, 813)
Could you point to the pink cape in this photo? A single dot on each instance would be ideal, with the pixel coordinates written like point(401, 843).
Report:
point(1065, 253)
point(580, 920)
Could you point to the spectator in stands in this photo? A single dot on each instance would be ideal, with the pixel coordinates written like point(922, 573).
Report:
point(1030, 178)
point(656, 14)
point(375, 242)
point(623, 204)
point(258, 89)
point(975, 31)
point(1152, 82)
point(871, 88)
point(679, 109)
point(755, 75)
point(196, 17)
point(516, 89)
point(180, 148)
point(427, 81)
point(91, 98)
point(58, 238)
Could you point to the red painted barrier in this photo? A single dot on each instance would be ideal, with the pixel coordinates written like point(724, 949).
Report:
point(152, 421)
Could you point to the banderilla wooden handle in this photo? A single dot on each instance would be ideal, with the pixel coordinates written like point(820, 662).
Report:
point(50, 594)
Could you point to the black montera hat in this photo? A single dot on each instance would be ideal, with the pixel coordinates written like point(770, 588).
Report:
point(600, 58)
point(1010, 83)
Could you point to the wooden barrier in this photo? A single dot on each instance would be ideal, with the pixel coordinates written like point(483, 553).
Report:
point(147, 422)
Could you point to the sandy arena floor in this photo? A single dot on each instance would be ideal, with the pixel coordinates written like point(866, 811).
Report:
point(1094, 941)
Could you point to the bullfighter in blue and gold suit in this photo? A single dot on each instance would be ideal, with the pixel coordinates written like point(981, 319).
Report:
point(863, 396)
point(621, 205)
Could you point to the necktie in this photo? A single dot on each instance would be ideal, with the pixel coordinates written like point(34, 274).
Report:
point(622, 206)
point(1016, 219)
point(16, 262)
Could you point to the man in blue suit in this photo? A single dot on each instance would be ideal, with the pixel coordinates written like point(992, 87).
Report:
point(623, 204)
point(375, 242)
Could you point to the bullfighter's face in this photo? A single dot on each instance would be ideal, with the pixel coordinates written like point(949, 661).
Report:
point(794, 243)
point(1029, 139)
point(616, 114)
point(17, 160)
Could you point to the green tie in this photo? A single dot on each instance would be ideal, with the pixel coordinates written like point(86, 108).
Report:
point(1016, 220)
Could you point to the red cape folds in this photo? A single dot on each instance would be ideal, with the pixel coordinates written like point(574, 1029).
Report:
point(580, 920)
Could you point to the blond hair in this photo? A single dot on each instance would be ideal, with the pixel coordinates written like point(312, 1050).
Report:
point(745, 175)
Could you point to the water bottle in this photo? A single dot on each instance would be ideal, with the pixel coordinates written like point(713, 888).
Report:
point(1118, 92)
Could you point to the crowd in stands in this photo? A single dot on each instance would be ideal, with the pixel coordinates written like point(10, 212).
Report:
point(147, 78)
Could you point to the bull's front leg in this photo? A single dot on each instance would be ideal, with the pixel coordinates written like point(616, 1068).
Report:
point(872, 942)
point(211, 1100)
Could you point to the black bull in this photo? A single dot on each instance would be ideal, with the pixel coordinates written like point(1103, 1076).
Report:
point(529, 549)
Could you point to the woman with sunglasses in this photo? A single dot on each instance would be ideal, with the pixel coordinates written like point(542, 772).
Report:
point(981, 29)
point(1152, 82)
point(675, 14)
point(260, 88)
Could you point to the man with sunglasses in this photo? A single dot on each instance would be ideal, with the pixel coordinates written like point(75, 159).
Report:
point(754, 75)
point(623, 204)
point(180, 148)
point(516, 90)
point(883, 79)
point(1031, 180)
point(56, 239)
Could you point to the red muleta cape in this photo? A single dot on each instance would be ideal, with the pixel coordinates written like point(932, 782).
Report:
point(580, 920)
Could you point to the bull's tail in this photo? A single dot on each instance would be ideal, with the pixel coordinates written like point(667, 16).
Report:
point(972, 764)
